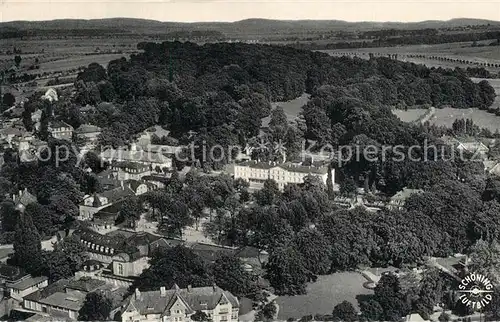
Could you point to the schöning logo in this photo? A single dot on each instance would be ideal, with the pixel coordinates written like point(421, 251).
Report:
point(476, 291)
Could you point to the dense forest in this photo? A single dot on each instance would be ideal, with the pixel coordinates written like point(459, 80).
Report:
point(386, 39)
point(219, 93)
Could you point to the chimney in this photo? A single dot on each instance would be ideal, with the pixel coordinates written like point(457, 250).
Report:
point(214, 287)
point(189, 288)
point(163, 291)
point(137, 294)
point(20, 193)
point(121, 184)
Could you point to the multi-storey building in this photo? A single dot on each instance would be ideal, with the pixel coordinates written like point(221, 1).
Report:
point(127, 170)
point(88, 135)
point(92, 204)
point(177, 305)
point(60, 130)
point(258, 172)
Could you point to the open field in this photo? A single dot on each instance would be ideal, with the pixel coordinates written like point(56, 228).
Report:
point(323, 295)
point(76, 62)
point(64, 55)
point(460, 51)
point(483, 119)
point(410, 115)
point(446, 116)
point(70, 45)
point(292, 108)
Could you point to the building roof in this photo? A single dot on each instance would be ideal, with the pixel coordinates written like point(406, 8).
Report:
point(210, 252)
point(166, 243)
point(11, 131)
point(59, 124)
point(71, 301)
point(87, 108)
point(115, 194)
point(195, 299)
point(52, 288)
point(129, 165)
point(134, 184)
point(128, 257)
point(85, 284)
point(247, 252)
point(472, 146)
point(142, 239)
point(405, 193)
point(101, 240)
point(27, 282)
point(25, 198)
point(87, 128)
point(110, 211)
point(121, 243)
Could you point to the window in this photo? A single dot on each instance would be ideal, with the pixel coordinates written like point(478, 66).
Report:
point(120, 269)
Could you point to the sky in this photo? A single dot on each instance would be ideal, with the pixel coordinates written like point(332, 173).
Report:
point(233, 10)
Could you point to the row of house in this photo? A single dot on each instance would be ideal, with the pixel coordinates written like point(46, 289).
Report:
point(127, 252)
point(63, 299)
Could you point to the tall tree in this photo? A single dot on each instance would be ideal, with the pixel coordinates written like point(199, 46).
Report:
point(96, 307)
point(27, 245)
point(176, 265)
point(315, 249)
point(229, 275)
point(344, 311)
point(287, 272)
point(391, 297)
point(17, 60)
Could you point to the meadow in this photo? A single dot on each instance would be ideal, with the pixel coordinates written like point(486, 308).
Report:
point(410, 115)
point(460, 50)
point(446, 116)
point(323, 295)
point(292, 108)
point(66, 54)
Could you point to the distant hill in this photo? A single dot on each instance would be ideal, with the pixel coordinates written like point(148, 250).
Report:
point(248, 27)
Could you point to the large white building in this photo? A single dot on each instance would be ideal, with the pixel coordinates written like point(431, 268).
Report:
point(258, 172)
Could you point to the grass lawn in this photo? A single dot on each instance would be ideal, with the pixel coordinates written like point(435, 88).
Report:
point(292, 108)
point(323, 295)
point(446, 117)
point(410, 115)
point(75, 62)
point(461, 50)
